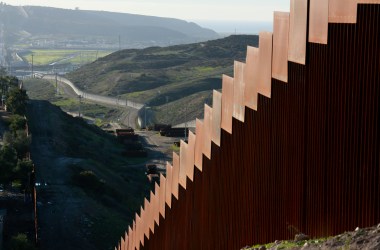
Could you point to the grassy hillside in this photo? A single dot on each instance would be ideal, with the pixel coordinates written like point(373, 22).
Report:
point(39, 89)
point(166, 78)
point(88, 180)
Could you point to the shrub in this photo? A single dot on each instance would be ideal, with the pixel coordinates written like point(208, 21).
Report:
point(21, 242)
point(89, 181)
point(16, 101)
point(8, 159)
point(17, 122)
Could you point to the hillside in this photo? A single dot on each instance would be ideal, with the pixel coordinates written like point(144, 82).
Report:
point(91, 190)
point(174, 81)
point(53, 27)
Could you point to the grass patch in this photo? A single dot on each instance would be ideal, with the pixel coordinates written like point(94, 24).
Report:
point(49, 56)
point(40, 89)
point(107, 229)
point(175, 148)
point(204, 69)
point(166, 74)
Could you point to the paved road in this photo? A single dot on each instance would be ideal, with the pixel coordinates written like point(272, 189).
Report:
point(70, 89)
point(96, 98)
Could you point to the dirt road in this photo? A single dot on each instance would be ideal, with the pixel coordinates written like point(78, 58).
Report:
point(159, 147)
point(71, 217)
point(60, 205)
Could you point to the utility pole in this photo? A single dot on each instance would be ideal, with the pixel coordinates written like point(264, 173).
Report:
point(167, 99)
point(56, 84)
point(32, 66)
point(80, 103)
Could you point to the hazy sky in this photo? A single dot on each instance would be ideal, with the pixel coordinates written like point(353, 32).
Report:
point(190, 10)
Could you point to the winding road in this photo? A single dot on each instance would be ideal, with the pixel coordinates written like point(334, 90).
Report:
point(133, 107)
point(96, 98)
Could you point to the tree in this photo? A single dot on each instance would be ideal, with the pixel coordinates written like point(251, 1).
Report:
point(19, 141)
point(22, 170)
point(16, 101)
point(17, 122)
point(8, 160)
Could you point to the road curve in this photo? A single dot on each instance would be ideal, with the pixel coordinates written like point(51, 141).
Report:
point(96, 98)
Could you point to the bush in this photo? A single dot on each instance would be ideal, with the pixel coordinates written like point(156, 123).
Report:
point(8, 159)
point(21, 242)
point(16, 101)
point(89, 181)
point(19, 141)
point(22, 170)
point(17, 122)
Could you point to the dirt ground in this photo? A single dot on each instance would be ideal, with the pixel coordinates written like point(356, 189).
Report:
point(60, 207)
point(70, 218)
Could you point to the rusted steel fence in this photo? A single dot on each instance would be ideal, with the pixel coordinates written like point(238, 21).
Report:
point(304, 160)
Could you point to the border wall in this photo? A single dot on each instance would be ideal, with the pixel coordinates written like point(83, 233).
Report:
point(292, 144)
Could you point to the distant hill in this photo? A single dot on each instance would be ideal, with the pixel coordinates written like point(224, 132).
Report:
point(174, 81)
point(31, 23)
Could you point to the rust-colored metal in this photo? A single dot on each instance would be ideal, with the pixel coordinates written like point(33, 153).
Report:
point(130, 241)
point(122, 243)
point(145, 218)
point(156, 203)
point(168, 186)
point(342, 11)
point(139, 232)
point(183, 164)
point(251, 78)
point(318, 21)
point(162, 195)
point(152, 211)
point(135, 237)
point(216, 117)
point(239, 108)
point(175, 176)
point(207, 126)
point(227, 103)
point(306, 161)
point(297, 31)
point(190, 156)
point(265, 63)
point(368, 1)
point(280, 46)
point(198, 155)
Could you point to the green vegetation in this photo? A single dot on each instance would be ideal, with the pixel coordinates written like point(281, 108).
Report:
point(17, 122)
point(13, 162)
point(175, 148)
point(39, 89)
point(100, 175)
point(16, 101)
point(89, 181)
point(21, 242)
point(165, 77)
point(49, 56)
